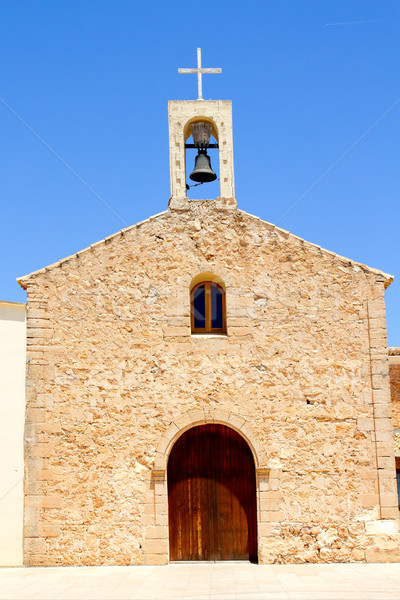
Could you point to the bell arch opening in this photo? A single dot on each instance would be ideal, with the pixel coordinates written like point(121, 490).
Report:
point(200, 119)
point(201, 158)
point(212, 503)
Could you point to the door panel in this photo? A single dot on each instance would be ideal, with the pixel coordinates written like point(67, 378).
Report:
point(212, 496)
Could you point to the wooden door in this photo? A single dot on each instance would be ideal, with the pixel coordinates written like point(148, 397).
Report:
point(212, 496)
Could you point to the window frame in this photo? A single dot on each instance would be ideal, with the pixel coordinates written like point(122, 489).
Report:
point(207, 294)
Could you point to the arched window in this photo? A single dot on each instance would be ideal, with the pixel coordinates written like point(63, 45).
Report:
point(208, 310)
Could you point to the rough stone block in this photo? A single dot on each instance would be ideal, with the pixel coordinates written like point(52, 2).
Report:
point(37, 333)
point(156, 546)
point(48, 475)
point(367, 396)
point(383, 411)
point(267, 529)
point(365, 424)
point(49, 427)
point(384, 424)
point(177, 331)
point(273, 483)
point(390, 499)
point(384, 448)
point(274, 495)
point(239, 331)
point(34, 546)
point(35, 415)
point(37, 323)
point(384, 436)
point(386, 462)
point(275, 516)
point(380, 367)
point(161, 520)
point(380, 382)
point(51, 501)
point(156, 532)
point(40, 450)
point(160, 488)
point(369, 500)
point(47, 531)
point(387, 552)
point(156, 559)
point(390, 512)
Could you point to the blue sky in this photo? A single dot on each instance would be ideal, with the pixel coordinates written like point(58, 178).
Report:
point(92, 78)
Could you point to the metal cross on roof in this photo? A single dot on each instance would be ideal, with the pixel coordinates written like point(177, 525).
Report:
point(199, 72)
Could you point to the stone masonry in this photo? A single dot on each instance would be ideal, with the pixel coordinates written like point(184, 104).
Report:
point(114, 376)
point(394, 370)
point(180, 115)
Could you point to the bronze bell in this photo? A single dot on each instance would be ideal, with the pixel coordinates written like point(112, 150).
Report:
point(202, 172)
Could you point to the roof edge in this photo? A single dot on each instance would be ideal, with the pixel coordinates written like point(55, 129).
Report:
point(23, 280)
point(11, 303)
point(386, 276)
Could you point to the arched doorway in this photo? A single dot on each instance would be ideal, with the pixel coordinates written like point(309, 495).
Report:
point(212, 496)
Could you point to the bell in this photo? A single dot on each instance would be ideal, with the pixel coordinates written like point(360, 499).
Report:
point(202, 171)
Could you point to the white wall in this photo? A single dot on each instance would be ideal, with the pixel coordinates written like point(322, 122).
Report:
point(12, 416)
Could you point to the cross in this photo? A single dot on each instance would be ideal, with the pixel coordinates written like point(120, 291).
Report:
point(199, 72)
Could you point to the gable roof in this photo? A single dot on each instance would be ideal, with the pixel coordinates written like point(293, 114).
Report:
point(340, 259)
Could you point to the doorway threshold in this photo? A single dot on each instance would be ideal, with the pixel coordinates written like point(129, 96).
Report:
point(211, 562)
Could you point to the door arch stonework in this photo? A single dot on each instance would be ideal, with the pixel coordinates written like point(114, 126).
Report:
point(155, 516)
point(202, 417)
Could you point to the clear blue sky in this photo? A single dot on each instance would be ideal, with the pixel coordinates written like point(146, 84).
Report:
point(93, 77)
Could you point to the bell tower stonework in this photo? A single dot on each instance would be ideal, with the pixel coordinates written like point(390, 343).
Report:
point(181, 114)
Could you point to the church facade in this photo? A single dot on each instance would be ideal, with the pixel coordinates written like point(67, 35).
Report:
point(204, 386)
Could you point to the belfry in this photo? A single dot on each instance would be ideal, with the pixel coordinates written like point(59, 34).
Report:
point(204, 385)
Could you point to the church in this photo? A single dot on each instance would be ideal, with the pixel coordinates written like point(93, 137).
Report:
point(207, 386)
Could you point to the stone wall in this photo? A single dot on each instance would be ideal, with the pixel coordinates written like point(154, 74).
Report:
point(114, 376)
point(394, 370)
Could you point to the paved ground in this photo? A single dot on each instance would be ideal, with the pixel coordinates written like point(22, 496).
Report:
point(219, 581)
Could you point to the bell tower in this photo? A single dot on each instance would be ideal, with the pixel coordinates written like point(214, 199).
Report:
point(200, 118)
